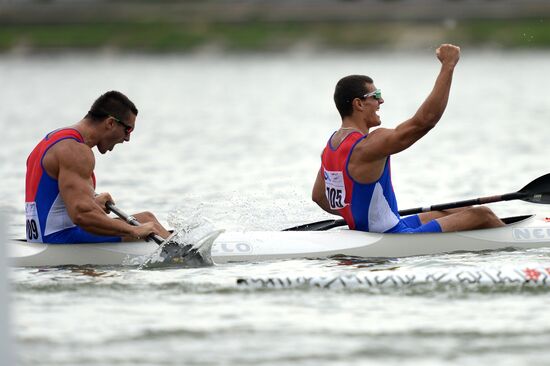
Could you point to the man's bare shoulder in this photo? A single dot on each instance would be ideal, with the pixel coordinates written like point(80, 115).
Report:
point(371, 149)
point(375, 137)
point(378, 133)
point(71, 155)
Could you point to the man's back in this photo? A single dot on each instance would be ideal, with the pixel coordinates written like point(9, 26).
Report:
point(44, 207)
point(365, 206)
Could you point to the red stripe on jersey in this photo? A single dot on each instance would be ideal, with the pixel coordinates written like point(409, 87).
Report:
point(336, 160)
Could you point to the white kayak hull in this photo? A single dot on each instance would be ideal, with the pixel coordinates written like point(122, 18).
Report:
point(525, 233)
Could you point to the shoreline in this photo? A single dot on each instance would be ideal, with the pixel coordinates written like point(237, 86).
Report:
point(251, 37)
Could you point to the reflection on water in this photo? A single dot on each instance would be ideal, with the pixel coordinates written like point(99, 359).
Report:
point(236, 140)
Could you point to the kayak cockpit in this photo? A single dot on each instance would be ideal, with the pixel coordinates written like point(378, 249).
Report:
point(515, 219)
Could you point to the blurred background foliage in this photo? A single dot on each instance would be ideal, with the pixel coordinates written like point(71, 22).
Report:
point(269, 25)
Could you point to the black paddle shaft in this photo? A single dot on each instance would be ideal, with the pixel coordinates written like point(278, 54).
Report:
point(132, 221)
point(465, 203)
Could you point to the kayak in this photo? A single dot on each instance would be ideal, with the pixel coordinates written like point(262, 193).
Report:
point(520, 232)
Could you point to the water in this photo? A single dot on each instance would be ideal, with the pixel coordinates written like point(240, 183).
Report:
point(236, 139)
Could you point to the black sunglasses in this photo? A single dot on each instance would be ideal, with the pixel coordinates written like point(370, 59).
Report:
point(127, 128)
point(100, 113)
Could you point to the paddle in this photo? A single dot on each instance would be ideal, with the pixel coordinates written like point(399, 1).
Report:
point(537, 191)
point(132, 221)
point(170, 249)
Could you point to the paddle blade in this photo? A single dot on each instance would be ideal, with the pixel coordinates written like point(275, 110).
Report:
point(190, 255)
point(538, 191)
point(543, 198)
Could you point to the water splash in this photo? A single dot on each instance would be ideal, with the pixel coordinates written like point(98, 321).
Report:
point(144, 260)
point(189, 245)
point(192, 228)
point(251, 211)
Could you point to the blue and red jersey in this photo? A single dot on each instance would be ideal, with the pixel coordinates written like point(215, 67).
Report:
point(366, 207)
point(46, 213)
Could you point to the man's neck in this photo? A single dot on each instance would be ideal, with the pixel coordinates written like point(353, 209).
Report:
point(349, 123)
point(88, 132)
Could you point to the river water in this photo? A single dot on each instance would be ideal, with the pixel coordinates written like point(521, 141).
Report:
point(236, 140)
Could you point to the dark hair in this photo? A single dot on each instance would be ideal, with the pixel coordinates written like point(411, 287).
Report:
point(112, 103)
point(347, 89)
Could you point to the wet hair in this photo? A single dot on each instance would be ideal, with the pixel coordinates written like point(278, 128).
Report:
point(112, 103)
point(347, 89)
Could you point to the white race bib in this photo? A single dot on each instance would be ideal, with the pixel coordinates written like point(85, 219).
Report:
point(34, 234)
point(335, 189)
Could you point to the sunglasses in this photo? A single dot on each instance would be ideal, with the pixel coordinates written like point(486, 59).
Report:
point(377, 94)
point(127, 128)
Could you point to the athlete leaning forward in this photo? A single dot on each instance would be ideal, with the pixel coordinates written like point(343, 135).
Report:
point(60, 200)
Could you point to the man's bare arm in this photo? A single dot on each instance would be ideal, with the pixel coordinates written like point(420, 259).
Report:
point(76, 164)
point(318, 194)
point(382, 142)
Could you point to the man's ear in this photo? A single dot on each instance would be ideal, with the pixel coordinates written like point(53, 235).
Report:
point(109, 123)
point(357, 104)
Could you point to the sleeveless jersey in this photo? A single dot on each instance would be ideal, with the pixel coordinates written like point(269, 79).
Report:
point(366, 207)
point(45, 210)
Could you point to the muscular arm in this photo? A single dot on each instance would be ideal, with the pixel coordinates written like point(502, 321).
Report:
point(75, 163)
point(371, 153)
point(318, 195)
